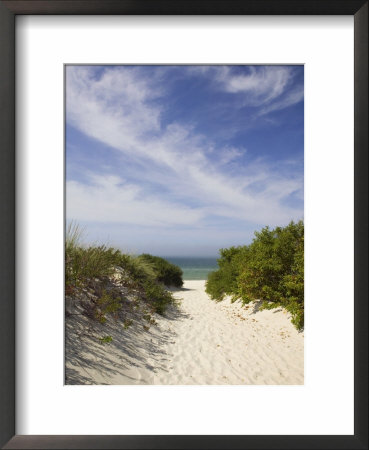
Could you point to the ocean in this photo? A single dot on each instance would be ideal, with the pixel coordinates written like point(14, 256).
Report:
point(194, 268)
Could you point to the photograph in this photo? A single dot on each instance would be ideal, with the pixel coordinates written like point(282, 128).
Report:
point(184, 224)
point(160, 162)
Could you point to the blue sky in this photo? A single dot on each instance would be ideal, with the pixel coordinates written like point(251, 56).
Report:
point(183, 160)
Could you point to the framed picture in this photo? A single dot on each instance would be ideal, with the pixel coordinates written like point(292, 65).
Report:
point(221, 88)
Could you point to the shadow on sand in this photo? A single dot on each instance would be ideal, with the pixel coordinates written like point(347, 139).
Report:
point(88, 360)
point(180, 289)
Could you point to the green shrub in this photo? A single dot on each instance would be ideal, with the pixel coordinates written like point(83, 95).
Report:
point(270, 269)
point(274, 271)
point(165, 272)
point(87, 266)
point(294, 287)
point(136, 267)
point(216, 286)
point(223, 281)
point(127, 323)
point(105, 339)
point(107, 304)
point(158, 296)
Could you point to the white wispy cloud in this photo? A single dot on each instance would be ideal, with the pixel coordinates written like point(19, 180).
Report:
point(111, 199)
point(266, 86)
point(263, 84)
point(121, 109)
point(291, 98)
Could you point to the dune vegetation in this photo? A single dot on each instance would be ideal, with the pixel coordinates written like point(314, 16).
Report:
point(103, 280)
point(270, 269)
point(165, 272)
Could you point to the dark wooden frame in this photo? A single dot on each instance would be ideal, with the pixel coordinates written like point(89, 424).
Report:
point(8, 11)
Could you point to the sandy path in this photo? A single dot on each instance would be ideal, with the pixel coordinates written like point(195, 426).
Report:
point(205, 342)
point(223, 343)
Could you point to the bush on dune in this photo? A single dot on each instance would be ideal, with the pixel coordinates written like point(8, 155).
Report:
point(294, 286)
point(136, 267)
point(165, 272)
point(85, 263)
point(270, 269)
point(158, 296)
point(222, 282)
point(95, 265)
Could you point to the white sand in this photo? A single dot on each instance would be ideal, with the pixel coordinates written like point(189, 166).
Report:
point(204, 342)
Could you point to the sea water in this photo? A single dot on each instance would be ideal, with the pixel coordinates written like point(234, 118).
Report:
point(194, 268)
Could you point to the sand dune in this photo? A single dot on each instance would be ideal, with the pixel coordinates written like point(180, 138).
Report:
point(202, 342)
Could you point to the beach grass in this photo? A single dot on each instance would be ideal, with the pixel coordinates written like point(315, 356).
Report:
point(98, 267)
